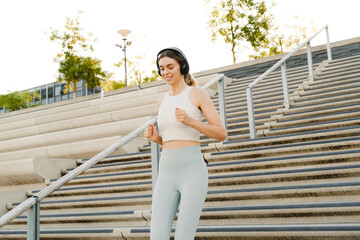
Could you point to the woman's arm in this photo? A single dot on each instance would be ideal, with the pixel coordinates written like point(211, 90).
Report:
point(214, 128)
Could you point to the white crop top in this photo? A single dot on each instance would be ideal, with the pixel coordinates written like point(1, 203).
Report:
point(169, 127)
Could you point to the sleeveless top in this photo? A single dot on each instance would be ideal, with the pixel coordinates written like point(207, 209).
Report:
point(169, 127)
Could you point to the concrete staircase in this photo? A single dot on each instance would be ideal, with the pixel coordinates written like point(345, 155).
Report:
point(299, 179)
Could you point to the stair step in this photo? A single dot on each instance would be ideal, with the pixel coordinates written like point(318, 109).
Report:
point(311, 127)
point(232, 195)
point(285, 213)
point(265, 231)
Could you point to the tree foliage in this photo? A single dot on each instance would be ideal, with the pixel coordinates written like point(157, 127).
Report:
point(71, 39)
point(18, 100)
point(282, 38)
point(136, 72)
point(240, 23)
point(152, 78)
point(250, 24)
point(75, 68)
point(73, 65)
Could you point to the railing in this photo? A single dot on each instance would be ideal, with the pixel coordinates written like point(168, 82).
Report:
point(32, 204)
point(282, 64)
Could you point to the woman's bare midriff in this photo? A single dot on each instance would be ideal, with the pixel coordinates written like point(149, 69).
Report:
point(179, 144)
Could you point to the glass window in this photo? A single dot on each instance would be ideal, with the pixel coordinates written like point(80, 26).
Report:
point(98, 89)
point(62, 89)
point(57, 90)
point(37, 98)
point(79, 84)
point(43, 93)
point(50, 91)
point(79, 92)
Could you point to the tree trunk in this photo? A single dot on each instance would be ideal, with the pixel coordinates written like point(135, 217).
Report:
point(74, 90)
point(233, 53)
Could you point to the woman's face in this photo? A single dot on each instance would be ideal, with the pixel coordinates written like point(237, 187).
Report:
point(170, 70)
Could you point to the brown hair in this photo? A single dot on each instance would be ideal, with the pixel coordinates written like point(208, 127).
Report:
point(189, 80)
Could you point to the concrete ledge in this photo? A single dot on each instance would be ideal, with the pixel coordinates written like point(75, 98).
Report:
point(32, 170)
point(17, 176)
point(7, 197)
point(76, 110)
point(118, 128)
point(99, 120)
point(83, 149)
point(78, 101)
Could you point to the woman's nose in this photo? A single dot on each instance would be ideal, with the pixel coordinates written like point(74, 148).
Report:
point(165, 71)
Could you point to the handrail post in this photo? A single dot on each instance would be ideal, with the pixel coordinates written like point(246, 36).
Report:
point(310, 64)
point(328, 46)
point(155, 159)
point(222, 103)
point(250, 106)
point(33, 221)
point(285, 85)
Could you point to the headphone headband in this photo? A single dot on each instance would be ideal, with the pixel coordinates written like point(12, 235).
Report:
point(184, 66)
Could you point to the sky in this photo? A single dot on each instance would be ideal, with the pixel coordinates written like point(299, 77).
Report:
point(26, 53)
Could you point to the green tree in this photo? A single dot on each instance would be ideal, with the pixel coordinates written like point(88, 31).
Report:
point(152, 78)
point(18, 100)
point(136, 72)
point(73, 66)
point(241, 23)
point(283, 38)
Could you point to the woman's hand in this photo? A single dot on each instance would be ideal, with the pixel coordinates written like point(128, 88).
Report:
point(182, 116)
point(151, 133)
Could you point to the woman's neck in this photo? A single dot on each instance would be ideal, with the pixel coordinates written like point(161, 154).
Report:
point(178, 88)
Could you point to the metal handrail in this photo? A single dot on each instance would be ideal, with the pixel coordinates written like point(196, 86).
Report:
point(34, 200)
point(282, 63)
point(25, 205)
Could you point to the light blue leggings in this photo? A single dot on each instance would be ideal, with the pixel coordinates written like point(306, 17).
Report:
point(183, 178)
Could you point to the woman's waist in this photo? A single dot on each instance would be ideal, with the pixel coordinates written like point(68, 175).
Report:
point(181, 157)
point(176, 144)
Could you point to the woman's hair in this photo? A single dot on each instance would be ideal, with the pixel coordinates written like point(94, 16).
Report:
point(189, 80)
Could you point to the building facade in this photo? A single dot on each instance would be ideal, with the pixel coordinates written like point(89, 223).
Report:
point(54, 92)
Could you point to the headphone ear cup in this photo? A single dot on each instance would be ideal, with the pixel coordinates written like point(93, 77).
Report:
point(184, 67)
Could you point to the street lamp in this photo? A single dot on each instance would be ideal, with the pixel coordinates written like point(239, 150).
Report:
point(124, 33)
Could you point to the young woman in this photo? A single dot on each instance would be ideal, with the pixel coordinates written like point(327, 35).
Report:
point(183, 176)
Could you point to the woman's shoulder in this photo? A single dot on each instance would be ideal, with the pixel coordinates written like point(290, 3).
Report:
point(198, 92)
point(198, 96)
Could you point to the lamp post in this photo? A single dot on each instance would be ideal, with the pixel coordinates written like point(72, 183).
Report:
point(124, 33)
